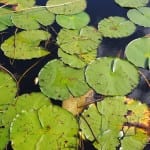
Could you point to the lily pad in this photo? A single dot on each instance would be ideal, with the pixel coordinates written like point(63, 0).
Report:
point(46, 128)
point(137, 51)
point(5, 18)
point(116, 27)
point(132, 3)
point(25, 45)
point(19, 4)
point(98, 123)
point(140, 16)
point(59, 81)
point(77, 61)
point(112, 76)
point(66, 7)
point(75, 21)
point(79, 41)
point(33, 18)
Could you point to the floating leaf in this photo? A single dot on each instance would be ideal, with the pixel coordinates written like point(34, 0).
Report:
point(59, 82)
point(112, 76)
point(5, 18)
point(79, 41)
point(77, 60)
point(132, 3)
point(24, 102)
point(66, 7)
point(137, 51)
point(33, 18)
point(19, 4)
point(99, 123)
point(140, 16)
point(116, 27)
point(46, 128)
point(25, 45)
point(75, 21)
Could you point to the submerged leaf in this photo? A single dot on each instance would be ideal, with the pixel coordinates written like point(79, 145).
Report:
point(80, 41)
point(138, 52)
point(66, 7)
point(132, 3)
point(112, 76)
point(33, 18)
point(46, 128)
point(5, 18)
point(75, 21)
point(140, 16)
point(25, 45)
point(59, 82)
point(116, 27)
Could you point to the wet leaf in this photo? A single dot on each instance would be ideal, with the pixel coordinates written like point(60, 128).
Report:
point(25, 45)
point(77, 60)
point(112, 76)
point(33, 18)
point(19, 4)
point(137, 51)
point(108, 120)
point(5, 18)
point(66, 7)
point(75, 21)
point(140, 16)
point(59, 81)
point(46, 128)
point(116, 27)
point(80, 41)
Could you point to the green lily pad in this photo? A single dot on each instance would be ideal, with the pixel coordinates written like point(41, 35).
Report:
point(106, 120)
point(132, 3)
point(46, 128)
point(25, 45)
point(77, 61)
point(79, 41)
point(33, 18)
point(5, 18)
point(137, 51)
point(24, 102)
point(140, 16)
point(59, 81)
point(19, 4)
point(112, 76)
point(116, 27)
point(75, 21)
point(66, 7)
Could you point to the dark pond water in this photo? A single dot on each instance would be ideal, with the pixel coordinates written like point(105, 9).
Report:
point(97, 9)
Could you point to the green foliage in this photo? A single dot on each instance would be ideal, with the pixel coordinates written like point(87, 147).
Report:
point(25, 45)
point(140, 16)
point(109, 72)
point(62, 80)
point(132, 3)
point(75, 21)
point(32, 18)
point(116, 27)
point(137, 51)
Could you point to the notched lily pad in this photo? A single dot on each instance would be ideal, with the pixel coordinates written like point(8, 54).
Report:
point(116, 27)
point(25, 45)
point(140, 16)
point(138, 52)
point(75, 21)
point(79, 41)
point(132, 3)
point(66, 7)
point(33, 18)
point(112, 76)
point(46, 128)
point(59, 81)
